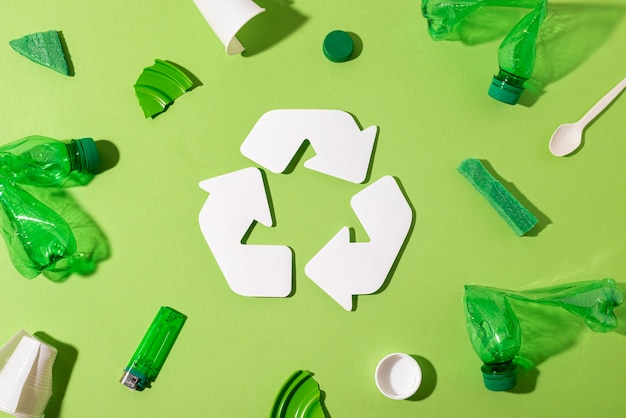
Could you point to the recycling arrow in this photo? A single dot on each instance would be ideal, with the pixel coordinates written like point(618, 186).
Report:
point(343, 268)
point(235, 202)
point(342, 149)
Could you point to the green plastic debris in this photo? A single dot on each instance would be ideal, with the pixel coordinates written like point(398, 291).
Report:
point(43, 48)
point(495, 332)
point(37, 236)
point(47, 162)
point(299, 397)
point(338, 46)
point(145, 365)
point(520, 219)
point(454, 19)
point(159, 85)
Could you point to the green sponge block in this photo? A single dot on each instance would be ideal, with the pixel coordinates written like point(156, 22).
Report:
point(43, 48)
point(508, 207)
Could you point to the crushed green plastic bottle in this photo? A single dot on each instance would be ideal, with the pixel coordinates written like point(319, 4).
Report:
point(92, 245)
point(36, 235)
point(516, 57)
point(495, 332)
point(46, 162)
point(516, 53)
point(43, 227)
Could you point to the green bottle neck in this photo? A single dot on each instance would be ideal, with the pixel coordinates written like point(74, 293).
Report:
point(499, 376)
point(83, 154)
point(507, 87)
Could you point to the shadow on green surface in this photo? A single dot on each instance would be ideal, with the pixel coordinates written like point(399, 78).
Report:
point(66, 52)
point(323, 404)
point(547, 331)
point(109, 155)
point(542, 220)
point(358, 45)
point(429, 379)
point(61, 373)
point(570, 34)
point(270, 27)
point(194, 80)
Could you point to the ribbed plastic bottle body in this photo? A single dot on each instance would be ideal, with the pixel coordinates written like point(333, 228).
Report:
point(155, 346)
point(37, 237)
point(46, 162)
point(443, 16)
point(495, 335)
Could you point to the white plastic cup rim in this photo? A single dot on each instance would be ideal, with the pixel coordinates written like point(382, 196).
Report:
point(398, 376)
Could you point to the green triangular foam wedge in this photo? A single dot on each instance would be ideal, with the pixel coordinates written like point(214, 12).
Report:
point(43, 48)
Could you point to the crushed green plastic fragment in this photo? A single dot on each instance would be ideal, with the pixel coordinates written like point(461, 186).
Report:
point(520, 219)
point(159, 85)
point(43, 48)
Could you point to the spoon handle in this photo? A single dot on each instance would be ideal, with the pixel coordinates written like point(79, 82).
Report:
point(603, 103)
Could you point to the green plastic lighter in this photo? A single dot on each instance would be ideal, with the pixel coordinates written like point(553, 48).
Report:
point(154, 348)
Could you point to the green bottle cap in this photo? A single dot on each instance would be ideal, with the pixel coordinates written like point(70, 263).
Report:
point(503, 379)
point(504, 92)
point(338, 46)
point(88, 154)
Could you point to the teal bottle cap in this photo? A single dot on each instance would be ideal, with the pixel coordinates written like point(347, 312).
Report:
point(88, 154)
point(338, 46)
point(504, 92)
point(500, 380)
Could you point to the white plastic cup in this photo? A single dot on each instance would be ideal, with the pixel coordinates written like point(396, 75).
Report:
point(398, 376)
point(226, 17)
point(25, 375)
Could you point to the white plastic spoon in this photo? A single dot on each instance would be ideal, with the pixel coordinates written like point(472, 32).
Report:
point(567, 137)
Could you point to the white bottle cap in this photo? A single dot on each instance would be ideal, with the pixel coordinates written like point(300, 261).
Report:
point(398, 376)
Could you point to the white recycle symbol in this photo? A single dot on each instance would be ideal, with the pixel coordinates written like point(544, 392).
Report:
point(341, 268)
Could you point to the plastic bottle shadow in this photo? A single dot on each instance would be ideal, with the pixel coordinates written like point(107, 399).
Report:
point(61, 373)
point(569, 35)
point(546, 331)
point(270, 27)
point(109, 155)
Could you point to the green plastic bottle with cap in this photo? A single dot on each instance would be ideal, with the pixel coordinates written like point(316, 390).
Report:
point(451, 20)
point(40, 223)
point(516, 57)
point(495, 331)
point(495, 334)
point(46, 162)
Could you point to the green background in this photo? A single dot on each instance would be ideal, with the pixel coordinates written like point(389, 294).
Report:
point(429, 101)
